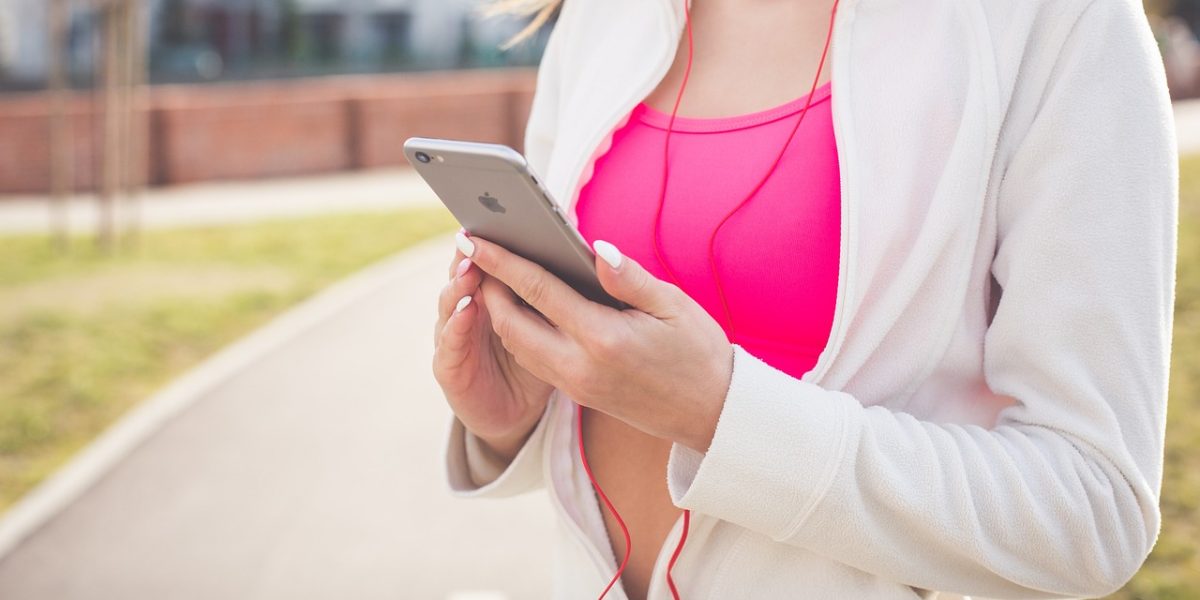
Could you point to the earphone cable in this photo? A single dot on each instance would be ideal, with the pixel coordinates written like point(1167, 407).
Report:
point(716, 277)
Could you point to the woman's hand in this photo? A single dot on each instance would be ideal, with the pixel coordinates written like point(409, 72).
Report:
point(663, 366)
point(495, 398)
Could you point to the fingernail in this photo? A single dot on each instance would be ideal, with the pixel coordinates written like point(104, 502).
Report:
point(464, 244)
point(608, 252)
point(462, 267)
point(462, 303)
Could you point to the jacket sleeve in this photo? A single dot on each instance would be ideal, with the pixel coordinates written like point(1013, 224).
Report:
point(472, 471)
point(1060, 497)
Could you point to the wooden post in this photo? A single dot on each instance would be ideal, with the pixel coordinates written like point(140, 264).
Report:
point(136, 168)
point(120, 13)
point(110, 174)
point(62, 147)
point(96, 115)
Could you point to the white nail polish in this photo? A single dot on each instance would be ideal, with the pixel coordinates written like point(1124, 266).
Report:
point(462, 303)
point(608, 252)
point(464, 243)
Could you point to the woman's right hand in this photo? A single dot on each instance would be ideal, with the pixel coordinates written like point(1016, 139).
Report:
point(496, 399)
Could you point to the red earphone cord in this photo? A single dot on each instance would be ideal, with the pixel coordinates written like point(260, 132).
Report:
point(716, 277)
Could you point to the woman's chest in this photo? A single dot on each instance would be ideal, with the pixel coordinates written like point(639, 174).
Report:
point(744, 215)
point(744, 60)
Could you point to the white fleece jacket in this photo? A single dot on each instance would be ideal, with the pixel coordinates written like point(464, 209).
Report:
point(987, 418)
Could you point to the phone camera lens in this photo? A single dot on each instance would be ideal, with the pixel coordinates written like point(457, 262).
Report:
point(421, 156)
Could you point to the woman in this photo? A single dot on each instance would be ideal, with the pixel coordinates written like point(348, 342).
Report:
point(927, 357)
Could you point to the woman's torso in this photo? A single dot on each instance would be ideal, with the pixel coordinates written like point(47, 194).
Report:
point(926, 125)
point(777, 257)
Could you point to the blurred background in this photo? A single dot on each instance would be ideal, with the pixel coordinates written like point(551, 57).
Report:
point(217, 289)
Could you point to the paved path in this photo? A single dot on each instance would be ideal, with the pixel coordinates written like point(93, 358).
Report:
point(314, 473)
point(233, 202)
point(1187, 125)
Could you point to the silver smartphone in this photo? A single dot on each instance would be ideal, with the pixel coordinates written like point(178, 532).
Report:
point(493, 193)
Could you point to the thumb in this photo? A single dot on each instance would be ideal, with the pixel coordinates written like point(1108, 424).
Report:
point(626, 280)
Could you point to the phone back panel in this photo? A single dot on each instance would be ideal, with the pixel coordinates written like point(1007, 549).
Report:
point(491, 191)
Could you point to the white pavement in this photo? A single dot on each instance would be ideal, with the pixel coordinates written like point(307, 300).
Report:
point(313, 471)
point(232, 202)
point(1187, 125)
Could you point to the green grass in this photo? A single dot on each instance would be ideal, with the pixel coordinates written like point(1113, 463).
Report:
point(1173, 569)
point(85, 335)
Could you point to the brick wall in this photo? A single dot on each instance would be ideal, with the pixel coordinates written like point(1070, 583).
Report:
point(276, 128)
point(25, 144)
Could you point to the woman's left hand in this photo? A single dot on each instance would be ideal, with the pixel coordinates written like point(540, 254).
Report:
point(663, 366)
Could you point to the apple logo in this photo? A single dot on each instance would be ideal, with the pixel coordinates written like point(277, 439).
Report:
point(491, 203)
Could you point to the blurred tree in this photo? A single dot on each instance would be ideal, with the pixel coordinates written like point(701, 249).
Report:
point(175, 25)
point(467, 50)
point(290, 33)
point(395, 31)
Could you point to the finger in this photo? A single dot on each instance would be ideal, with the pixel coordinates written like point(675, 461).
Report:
point(458, 256)
point(523, 332)
point(454, 338)
point(453, 292)
point(456, 288)
point(543, 291)
point(626, 280)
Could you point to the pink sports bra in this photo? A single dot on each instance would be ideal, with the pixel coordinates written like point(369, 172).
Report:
point(777, 256)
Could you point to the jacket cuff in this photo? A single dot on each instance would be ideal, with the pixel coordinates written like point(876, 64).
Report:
point(774, 452)
point(474, 471)
point(483, 465)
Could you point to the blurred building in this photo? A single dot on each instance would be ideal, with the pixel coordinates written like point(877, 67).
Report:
point(308, 86)
point(205, 40)
point(22, 53)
